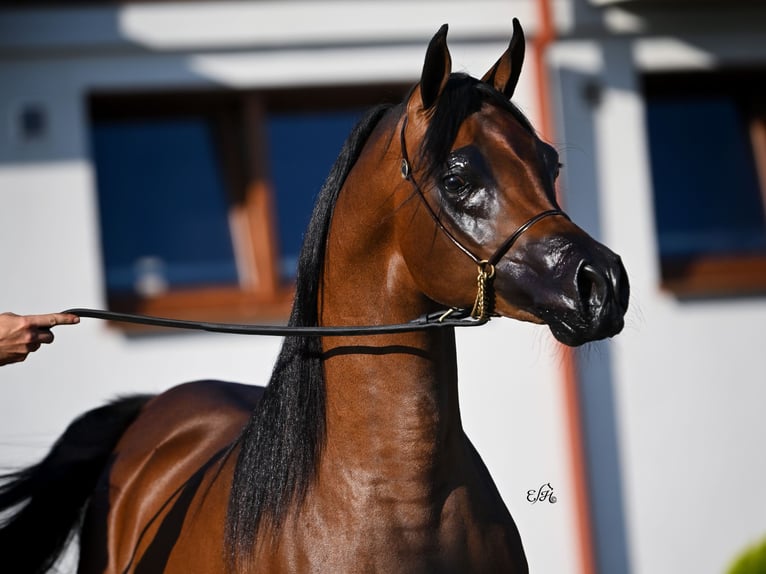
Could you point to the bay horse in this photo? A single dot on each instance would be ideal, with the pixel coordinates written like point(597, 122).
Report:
point(353, 457)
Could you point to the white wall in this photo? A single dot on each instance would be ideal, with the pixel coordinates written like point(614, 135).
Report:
point(510, 386)
point(688, 384)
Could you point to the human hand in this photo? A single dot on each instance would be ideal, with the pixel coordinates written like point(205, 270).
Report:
point(23, 334)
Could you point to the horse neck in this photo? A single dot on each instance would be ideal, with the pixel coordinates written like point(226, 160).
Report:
point(392, 402)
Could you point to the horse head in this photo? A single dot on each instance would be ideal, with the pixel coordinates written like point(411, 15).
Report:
point(487, 201)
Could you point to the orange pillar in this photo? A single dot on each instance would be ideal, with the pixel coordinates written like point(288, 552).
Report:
point(569, 376)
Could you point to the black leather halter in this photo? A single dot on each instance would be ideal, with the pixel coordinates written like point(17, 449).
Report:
point(479, 315)
point(486, 267)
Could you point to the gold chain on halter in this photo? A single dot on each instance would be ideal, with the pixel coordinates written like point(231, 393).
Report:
point(482, 307)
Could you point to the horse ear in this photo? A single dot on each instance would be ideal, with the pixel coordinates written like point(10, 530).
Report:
point(436, 69)
point(505, 73)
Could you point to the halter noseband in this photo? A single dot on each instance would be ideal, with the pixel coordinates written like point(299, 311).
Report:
point(482, 306)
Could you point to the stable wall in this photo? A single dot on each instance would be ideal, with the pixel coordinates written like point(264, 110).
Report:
point(675, 429)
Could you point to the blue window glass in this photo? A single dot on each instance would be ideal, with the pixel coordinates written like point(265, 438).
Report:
point(706, 190)
point(302, 149)
point(163, 205)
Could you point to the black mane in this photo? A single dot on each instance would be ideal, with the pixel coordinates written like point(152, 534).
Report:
point(281, 444)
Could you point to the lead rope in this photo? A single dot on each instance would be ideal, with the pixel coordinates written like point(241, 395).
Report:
point(437, 320)
point(482, 311)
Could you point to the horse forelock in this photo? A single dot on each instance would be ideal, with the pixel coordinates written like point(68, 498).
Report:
point(463, 95)
point(279, 448)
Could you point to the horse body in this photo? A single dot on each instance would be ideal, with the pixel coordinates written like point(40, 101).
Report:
point(354, 458)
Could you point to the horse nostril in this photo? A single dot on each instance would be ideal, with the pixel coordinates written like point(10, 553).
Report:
point(592, 288)
point(601, 297)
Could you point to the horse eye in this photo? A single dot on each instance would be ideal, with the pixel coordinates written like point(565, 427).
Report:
point(453, 183)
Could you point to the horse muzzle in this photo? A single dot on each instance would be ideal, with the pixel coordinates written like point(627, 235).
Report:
point(602, 293)
point(577, 286)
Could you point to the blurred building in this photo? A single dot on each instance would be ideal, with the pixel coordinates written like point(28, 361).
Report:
point(162, 157)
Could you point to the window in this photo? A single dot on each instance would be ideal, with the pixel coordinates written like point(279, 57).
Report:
point(707, 138)
point(204, 197)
